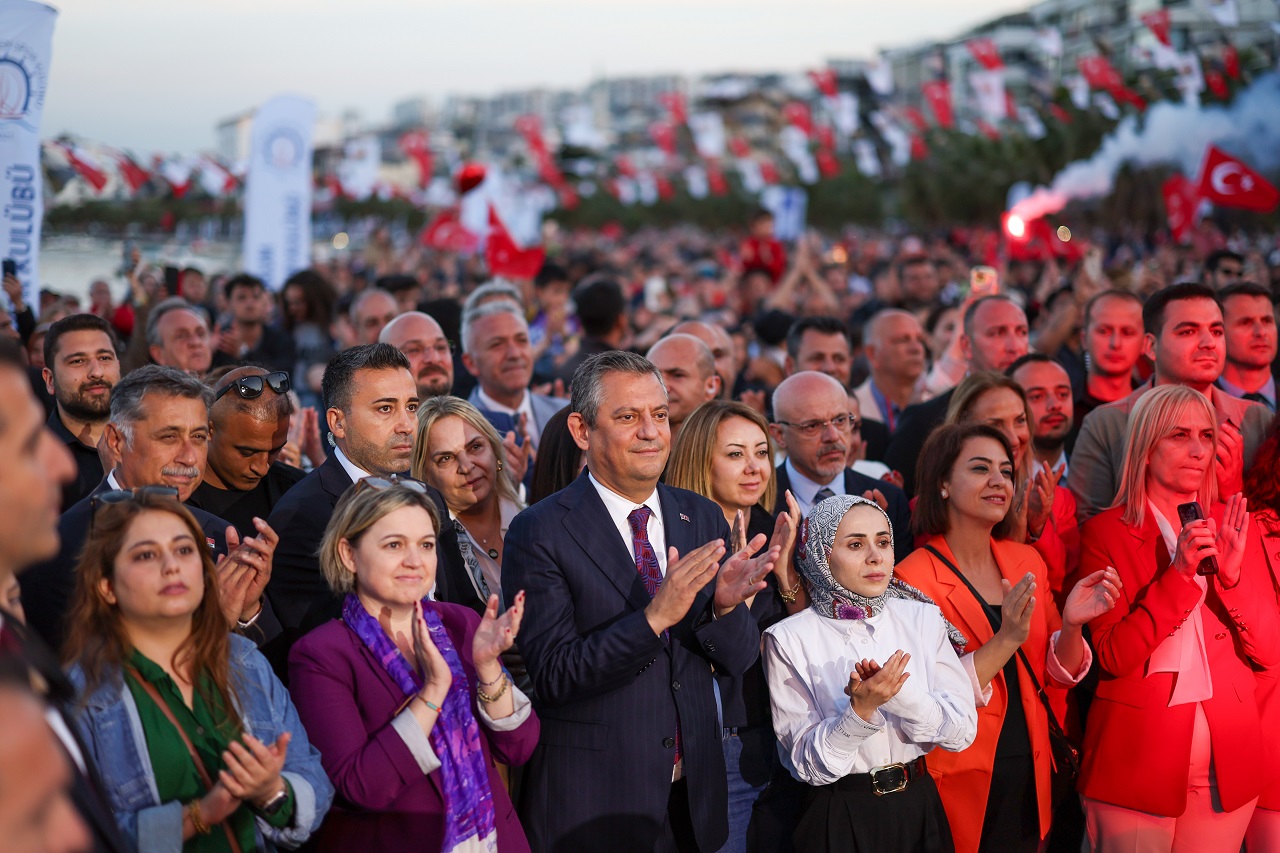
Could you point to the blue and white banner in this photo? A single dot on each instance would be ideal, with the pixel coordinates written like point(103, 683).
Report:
point(277, 194)
point(26, 44)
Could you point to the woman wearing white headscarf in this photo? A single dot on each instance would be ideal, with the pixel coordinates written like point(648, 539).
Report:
point(863, 684)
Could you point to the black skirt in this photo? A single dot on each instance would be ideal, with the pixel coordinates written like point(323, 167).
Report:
point(849, 818)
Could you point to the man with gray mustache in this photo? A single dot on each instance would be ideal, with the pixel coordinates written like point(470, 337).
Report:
point(159, 432)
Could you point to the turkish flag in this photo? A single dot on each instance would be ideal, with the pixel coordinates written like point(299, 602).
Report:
point(134, 175)
point(675, 104)
point(1216, 82)
point(826, 137)
point(768, 171)
point(86, 166)
point(715, 179)
point(825, 80)
point(664, 135)
point(938, 94)
point(447, 233)
point(505, 257)
point(919, 150)
point(666, 191)
point(916, 117)
point(798, 113)
point(828, 165)
point(1099, 73)
point(739, 147)
point(1158, 23)
point(414, 146)
point(1180, 202)
point(530, 127)
point(1231, 60)
point(1226, 181)
point(985, 51)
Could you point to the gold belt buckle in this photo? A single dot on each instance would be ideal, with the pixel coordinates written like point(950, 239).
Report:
point(896, 778)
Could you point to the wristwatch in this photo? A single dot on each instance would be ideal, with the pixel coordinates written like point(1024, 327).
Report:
point(277, 802)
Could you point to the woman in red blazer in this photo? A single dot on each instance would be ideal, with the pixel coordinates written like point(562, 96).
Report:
point(1262, 489)
point(405, 697)
point(996, 792)
point(1172, 743)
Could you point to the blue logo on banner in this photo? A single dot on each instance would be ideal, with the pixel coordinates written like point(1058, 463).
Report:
point(283, 149)
point(22, 83)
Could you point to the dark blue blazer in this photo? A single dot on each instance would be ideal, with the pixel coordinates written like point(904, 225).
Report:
point(606, 688)
point(47, 588)
point(855, 483)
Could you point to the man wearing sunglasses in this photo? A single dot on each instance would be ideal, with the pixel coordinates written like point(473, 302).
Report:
point(244, 478)
point(159, 432)
point(813, 425)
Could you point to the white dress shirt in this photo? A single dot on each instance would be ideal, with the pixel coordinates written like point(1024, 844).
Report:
point(808, 659)
point(60, 729)
point(805, 490)
point(356, 474)
point(619, 508)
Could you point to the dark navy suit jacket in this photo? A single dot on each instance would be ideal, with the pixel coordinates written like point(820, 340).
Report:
point(855, 483)
point(606, 687)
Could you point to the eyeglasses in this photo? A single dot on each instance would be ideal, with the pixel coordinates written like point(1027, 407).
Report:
point(119, 496)
point(251, 387)
point(809, 429)
point(383, 483)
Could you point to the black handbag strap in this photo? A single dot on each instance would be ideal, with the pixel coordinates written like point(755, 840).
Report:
point(1054, 726)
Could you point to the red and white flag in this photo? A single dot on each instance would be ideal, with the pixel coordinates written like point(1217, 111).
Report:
point(1099, 72)
point(797, 113)
point(1231, 60)
point(663, 134)
point(1181, 200)
point(414, 146)
point(134, 175)
point(1158, 22)
point(825, 80)
point(505, 257)
point(214, 177)
point(86, 166)
point(938, 94)
point(676, 106)
point(176, 172)
point(1227, 181)
point(985, 51)
point(447, 233)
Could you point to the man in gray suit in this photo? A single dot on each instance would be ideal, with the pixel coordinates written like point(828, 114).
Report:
point(1185, 338)
point(496, 350)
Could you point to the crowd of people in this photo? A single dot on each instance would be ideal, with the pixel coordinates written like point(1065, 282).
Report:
point(690, 543)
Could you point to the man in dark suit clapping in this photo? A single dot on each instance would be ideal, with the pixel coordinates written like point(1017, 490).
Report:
point(626, 617)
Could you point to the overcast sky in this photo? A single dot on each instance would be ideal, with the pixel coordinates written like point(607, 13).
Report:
point(157, 75)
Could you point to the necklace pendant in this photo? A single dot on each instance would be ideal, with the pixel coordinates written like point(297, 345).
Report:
point(493, 553)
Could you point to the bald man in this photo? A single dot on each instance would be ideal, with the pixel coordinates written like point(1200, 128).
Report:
point(370, 312)
point(243, 476)
point(689, 372)
point(721, 346)
point(895, 350)
point(813, 426)
point(423, 342)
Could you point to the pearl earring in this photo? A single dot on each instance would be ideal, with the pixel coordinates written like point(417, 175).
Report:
point(944, 494)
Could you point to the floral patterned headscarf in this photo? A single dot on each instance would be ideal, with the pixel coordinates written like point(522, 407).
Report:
point(826, 595)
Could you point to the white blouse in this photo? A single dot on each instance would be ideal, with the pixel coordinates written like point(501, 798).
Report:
point(808, 659)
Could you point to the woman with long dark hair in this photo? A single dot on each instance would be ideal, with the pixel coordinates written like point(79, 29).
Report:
point(198, 743)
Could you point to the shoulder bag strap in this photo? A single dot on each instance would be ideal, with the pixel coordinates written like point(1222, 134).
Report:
point(186, 741)
point(1026, 664)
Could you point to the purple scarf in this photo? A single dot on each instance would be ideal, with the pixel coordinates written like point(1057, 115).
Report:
point(464, 778)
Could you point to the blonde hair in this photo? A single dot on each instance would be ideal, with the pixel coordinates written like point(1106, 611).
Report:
point(361, 507)
point(690, 463)
point(435, 409)
point(1154, 417)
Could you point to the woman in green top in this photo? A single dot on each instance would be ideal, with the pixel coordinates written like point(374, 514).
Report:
point(198, 744)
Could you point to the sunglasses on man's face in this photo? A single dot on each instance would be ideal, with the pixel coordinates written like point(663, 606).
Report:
point(251, 387)
point(119, 496)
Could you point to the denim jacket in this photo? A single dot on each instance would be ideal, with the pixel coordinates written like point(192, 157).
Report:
point(112, 730)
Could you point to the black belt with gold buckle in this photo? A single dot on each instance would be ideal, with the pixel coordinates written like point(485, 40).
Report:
point(889, 779)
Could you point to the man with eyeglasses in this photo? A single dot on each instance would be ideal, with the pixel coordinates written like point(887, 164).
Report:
point(813, 426)
point(244, 478)
point(423, 342)
point(159, 432)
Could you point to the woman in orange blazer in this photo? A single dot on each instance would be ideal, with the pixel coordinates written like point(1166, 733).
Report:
point(997, 792)
point(1173, 739)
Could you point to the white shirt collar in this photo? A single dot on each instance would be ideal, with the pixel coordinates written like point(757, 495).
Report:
point(356, 474)
point(526, 405)
point(112, 481)
point(1060, 462)
point(805, 490)
point(619, 508)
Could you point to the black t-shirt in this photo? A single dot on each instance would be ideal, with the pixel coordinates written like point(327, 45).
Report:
point(239, 508)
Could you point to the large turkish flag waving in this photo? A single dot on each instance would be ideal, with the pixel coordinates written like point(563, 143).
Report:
point(1226, 181)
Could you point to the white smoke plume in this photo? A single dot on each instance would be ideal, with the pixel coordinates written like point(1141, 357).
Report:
point(1174, 134)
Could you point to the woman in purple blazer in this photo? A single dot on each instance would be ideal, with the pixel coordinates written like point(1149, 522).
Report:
point(405, 697)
